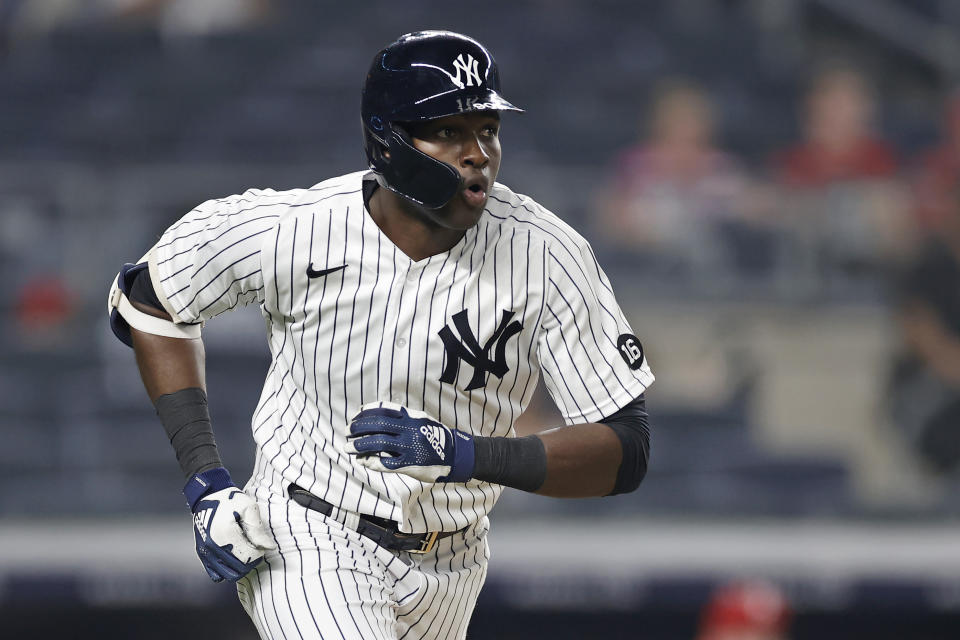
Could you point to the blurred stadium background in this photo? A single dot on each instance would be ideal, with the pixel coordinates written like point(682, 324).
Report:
point(770, 184)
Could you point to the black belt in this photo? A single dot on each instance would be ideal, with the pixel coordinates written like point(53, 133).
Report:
point(382, 531)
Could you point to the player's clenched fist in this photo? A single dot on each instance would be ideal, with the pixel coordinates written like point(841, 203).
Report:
point(230, 534)
point(390, 437)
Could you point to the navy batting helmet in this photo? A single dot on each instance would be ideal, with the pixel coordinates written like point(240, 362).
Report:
point(421, 76)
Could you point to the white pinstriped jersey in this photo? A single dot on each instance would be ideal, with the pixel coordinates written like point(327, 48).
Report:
point(462, 335)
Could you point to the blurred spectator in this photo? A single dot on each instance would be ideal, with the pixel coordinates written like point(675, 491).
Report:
point(676, 198)
point(925, 396)
point(43, 309)
point(939, 172)
point(842, 200)
point(839, 144)
point(750, 610)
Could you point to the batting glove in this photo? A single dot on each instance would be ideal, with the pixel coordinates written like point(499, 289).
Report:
point(231, 537)
point(389, 437)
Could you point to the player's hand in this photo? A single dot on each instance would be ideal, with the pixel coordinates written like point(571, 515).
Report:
point(389, 437)
point(230, 534)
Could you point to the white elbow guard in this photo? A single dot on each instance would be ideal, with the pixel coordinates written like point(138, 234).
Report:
point(124, 315)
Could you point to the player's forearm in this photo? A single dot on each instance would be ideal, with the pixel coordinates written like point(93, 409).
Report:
point(577, 461)
point(582, 461)
point(168, 365)
point(172, 370)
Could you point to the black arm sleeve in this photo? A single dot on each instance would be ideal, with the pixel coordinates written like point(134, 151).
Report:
point(631, 426)
point(186, 419)
point(520, 463)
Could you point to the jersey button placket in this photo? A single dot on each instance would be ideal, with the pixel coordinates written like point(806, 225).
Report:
point(405, 281)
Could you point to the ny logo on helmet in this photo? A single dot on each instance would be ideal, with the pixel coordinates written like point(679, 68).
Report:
point(470, 67)
point(468, 349)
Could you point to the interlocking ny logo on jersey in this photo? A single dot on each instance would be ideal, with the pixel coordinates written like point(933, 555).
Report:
point(471, 67)
point(468, 349)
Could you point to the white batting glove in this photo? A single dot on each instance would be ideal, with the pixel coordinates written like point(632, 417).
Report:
point(230, 534)
point(391, 438)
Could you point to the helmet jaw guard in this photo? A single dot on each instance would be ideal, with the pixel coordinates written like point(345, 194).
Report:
point(423, 180)
point(422, 76)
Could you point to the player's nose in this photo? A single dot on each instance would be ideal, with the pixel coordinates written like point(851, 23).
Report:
point(473, 154)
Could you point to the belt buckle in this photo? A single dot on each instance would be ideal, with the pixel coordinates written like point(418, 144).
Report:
point(428, 543)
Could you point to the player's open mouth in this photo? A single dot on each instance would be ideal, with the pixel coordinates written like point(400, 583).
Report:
point(475, 194)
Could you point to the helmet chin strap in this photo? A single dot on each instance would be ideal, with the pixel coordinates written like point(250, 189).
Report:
point(427, 181)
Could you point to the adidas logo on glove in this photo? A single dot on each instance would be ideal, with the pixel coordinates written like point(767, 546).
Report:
point(202, 521)
point(435, 437)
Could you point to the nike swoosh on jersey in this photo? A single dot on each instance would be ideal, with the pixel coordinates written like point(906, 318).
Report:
point(322, 272)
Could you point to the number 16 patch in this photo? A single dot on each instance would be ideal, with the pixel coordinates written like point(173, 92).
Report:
point(630, 350)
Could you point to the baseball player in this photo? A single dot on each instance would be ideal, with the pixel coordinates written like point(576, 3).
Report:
point(410, 310)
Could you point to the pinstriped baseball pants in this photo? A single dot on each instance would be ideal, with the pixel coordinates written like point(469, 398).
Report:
point(326, 581)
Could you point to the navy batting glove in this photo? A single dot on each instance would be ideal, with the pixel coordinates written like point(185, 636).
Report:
point(391, 438)
point(230, 535)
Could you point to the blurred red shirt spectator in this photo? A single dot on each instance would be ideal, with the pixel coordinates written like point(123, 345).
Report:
point(839, 144)
point(843, 202)
point(939, 172)
point(745, 610)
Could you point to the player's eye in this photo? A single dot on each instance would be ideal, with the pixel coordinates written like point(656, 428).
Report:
point(445, 133)
point(491, 130)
